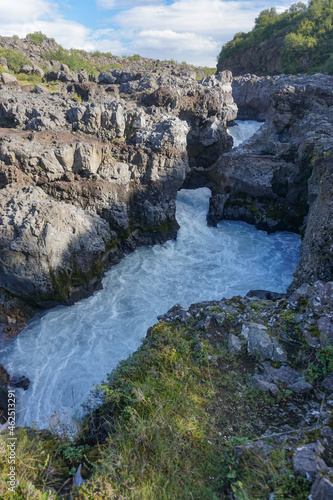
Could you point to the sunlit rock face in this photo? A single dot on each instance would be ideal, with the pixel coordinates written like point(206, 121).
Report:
point(281, 178)
point(116, 161)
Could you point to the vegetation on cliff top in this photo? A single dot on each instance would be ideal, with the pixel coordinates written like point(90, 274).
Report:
point(17, 55)
point(170, 419)
point(307, 34)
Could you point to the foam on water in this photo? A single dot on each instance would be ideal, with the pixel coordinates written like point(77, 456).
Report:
point(69, 349)
point(243, 130)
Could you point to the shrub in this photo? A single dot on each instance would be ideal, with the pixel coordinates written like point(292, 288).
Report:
point(37, 37)
point(15, 59)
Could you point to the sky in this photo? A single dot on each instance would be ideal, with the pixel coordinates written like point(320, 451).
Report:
point(184, 30)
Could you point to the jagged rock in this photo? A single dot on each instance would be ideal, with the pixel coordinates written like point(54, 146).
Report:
point(20, 382)
point(259, 342)
point(37, 71)
point(27, 69)
point(113, 156)
point(3, 63)
point(327, 383)
point(306, 461)
point(260, 382)
point(40, 89)
point(8, 79)
point(300, 387)
point(322, 489)
point(327, 437)
point(48, 248)
point(325, 327)
point(292, 379)
point(284, 172)
point(234, 344)
point(265, 295)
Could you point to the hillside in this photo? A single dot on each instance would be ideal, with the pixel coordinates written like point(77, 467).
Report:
point(300, 40)
point(17, 55)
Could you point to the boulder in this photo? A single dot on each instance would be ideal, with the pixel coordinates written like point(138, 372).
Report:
point(327, 383)
point(8, 79)
point(263, 384)
point(47, 257)
point(291, 379)
point(27, 69)
point(234, 344)
point(306, 461)
point(37, 71)
point(322, 489)
point(260, 343)
point(40, 89)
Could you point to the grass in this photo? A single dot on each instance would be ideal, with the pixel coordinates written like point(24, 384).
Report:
point(170, 417)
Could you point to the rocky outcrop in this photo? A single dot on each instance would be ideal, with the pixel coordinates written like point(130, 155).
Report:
point(85, 182)
point(282, 177)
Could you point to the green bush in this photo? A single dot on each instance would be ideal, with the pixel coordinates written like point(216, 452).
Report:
point(306, 31)
point(15, 59)
point(38, 37)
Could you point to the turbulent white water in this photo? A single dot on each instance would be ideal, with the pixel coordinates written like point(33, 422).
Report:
point(69, 349)
point(243, 130)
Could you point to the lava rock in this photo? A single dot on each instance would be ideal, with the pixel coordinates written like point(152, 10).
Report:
point(327, 383)
point(260, 343)
point(306, 461)
point(322, 489)
point(234, 344)
point(8, 79)
point(20, 382)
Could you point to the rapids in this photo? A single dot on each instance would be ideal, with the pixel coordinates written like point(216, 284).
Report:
point(67, 350)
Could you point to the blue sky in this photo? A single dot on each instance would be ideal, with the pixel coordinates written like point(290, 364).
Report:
point(184, 30)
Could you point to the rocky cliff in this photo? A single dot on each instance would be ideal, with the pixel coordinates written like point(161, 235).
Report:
point(88, 176)
point(282, 177)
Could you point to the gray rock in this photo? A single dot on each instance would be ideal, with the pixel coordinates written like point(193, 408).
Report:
point(300, 387)
point(27, 69)
point(307, 463)
point(40, 89)
point(40, 254)
point(260, 343)
point(322, 489)
point(3, 62)
point(263, 384)
point(327, 383)
point(291, 379)
point(9, 79)
point(325, 327)
point(327, 436)
point(234, 344)
point(37, 71)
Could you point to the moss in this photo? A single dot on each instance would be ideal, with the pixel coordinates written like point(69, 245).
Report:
point(165, 227)
point(214, 310)
point(64, 280)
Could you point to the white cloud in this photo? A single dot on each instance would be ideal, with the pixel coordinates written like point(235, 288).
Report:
point(191, 30)
point(26, 16)
point(115, 4)
point(168, 44)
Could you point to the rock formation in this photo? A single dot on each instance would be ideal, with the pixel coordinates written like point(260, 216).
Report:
point(87, 177)
point(282, 177)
